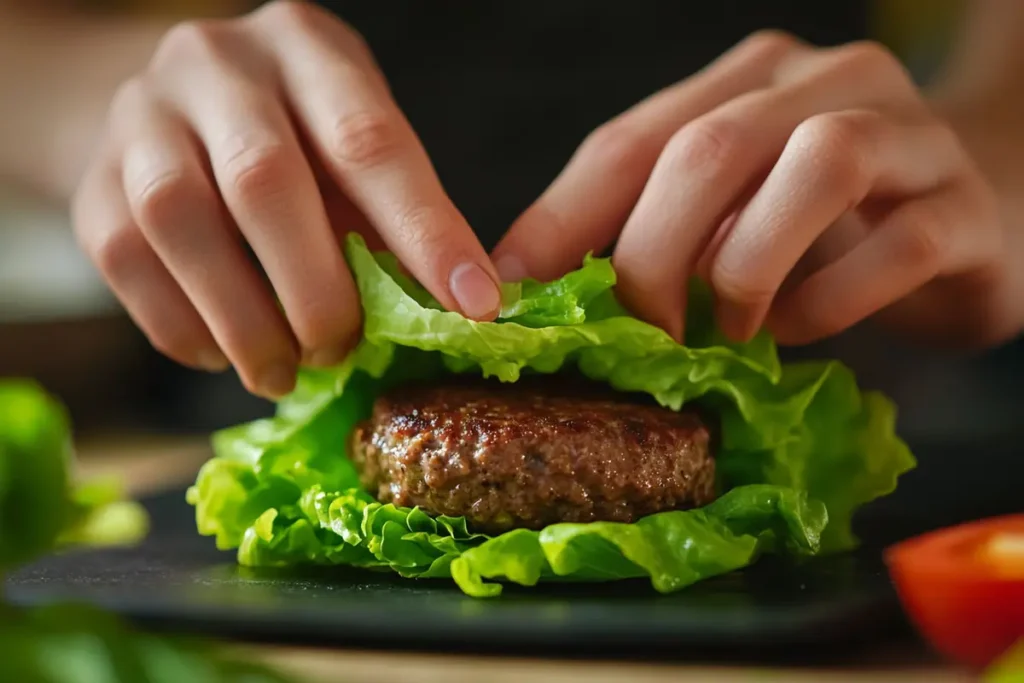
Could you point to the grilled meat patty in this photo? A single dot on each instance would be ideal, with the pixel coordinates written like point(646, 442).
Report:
point(512, 456)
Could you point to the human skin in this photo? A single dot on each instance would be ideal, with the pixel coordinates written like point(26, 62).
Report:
point(812, 188)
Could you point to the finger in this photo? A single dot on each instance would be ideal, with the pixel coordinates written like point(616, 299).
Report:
point(866, 62)
point(344, 216)
point(705, 171)
point(109, 236)
point(269, 188)
point(830, 165)
point(379, 162)
point(175, 205)
point(838, 240)
point(587, 204)
point(915, 243)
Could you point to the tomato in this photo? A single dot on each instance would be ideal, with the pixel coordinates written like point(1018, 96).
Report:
point(963, 587)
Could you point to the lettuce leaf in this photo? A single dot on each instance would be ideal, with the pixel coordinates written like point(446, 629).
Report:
point(802, 447)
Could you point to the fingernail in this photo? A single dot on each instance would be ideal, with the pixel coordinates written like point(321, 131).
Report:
point(329, 357)
point(510, 268)
point(276, 381)
point(212, 360)
point(474, 290)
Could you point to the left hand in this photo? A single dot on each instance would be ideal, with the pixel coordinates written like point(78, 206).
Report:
point(811, 188)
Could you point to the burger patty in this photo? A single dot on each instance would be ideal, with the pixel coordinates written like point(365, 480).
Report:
point(506, 456)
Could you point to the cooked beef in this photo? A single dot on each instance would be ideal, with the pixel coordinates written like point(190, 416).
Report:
point(510, 456)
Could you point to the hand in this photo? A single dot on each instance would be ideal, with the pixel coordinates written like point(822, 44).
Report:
point(277, 129)
point(811, 188)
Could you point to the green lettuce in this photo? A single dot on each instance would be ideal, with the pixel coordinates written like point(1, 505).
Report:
point(801, 449)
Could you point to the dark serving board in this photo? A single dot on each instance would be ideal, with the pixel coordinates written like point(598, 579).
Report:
point(817, 610)
point(177, 581)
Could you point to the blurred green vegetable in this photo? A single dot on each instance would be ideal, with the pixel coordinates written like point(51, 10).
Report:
point(41, 510)
point(78, 644)
point(802, 448)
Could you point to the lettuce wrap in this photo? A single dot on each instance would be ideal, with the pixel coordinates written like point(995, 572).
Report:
point(801, 446)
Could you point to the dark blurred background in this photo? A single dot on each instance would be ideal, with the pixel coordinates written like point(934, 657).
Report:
point(501, 94)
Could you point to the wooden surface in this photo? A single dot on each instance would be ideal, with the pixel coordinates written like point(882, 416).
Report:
point(148, 465)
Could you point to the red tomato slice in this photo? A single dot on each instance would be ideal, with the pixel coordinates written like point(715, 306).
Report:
point(963, 587)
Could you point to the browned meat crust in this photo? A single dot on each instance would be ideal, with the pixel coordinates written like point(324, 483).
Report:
point(509, 456)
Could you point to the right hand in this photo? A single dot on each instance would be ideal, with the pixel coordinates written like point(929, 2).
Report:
point(276, 128)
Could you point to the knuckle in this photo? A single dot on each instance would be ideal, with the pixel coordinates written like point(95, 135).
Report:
point(117, 251)
point(306, 18)
point(836, 132)
point(421, 227)
point(766, 43)
point(255, 171)
point(616, 144)
point(290, 12)
point(156, 200)
point(190, 39)
point(871, 60)
point(838, 141)
point(366, 139)
point(707, 145)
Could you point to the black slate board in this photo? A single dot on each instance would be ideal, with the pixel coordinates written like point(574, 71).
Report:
point(818, 611)
point(177, 581)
